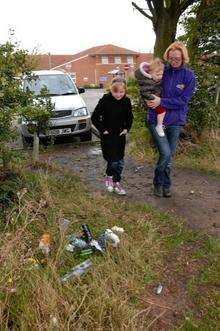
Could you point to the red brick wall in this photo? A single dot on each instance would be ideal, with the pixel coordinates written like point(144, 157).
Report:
point(90, 67)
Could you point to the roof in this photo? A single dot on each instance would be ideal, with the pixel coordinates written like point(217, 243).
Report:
point(145, 57)
point(45, 61)
point(113, 50)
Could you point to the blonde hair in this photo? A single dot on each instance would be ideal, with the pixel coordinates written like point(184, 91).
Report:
point(156, 64)
point(116, 83)
point(177, 45)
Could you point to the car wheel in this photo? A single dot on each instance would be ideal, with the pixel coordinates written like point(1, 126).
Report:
point(27, 141)
point(87, 136)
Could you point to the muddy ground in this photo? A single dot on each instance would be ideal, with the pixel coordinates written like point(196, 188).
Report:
point(196, 196)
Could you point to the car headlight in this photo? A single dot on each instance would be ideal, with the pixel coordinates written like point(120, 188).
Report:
point(80, 112)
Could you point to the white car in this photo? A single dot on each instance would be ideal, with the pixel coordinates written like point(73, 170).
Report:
point(71, 116)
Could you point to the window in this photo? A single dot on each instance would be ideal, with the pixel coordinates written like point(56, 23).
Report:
point(130, 60)
point(104, 59)
point(73, 76)
point(117, 59)
point(55, 84)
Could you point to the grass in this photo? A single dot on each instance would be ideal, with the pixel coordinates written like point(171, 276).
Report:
point(203, 155)
point(108, 297)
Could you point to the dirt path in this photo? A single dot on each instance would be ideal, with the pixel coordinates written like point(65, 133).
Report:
point(196, 196)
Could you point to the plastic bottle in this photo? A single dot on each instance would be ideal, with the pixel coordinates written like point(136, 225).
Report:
point(86, 232)
point(77, 271)
point(77, 242)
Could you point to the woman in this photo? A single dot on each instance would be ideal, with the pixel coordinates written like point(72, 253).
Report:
point(178, 84)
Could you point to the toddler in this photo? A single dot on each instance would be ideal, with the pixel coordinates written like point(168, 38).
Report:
point(149, 77)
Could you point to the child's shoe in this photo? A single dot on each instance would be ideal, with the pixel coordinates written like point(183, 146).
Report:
point(109, 184)
point(118, 189)
point(160, 130)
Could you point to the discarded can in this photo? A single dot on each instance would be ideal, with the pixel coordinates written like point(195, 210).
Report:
point(94, 243)
point(77, 271)
point(102, 240)
point(159, 289)
point(45, 243)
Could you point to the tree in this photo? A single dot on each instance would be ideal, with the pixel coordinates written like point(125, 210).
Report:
point(14, 100)
point(37, 113)
point(13, 62)
point(164, 15)
point(201, 25)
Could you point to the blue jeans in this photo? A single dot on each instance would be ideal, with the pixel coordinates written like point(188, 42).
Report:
point(114, 169)
point(166, 146)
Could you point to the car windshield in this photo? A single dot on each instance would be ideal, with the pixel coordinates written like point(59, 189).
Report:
point(55, 84)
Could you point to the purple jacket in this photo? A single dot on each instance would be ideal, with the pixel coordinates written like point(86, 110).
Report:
point(178, 87)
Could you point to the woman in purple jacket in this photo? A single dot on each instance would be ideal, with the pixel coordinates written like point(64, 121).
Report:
point(178, 86)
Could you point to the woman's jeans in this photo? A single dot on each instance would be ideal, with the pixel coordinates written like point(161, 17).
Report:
point(166, 146)
point(114, 169)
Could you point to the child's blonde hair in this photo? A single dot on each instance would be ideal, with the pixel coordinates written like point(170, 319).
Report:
point(156, 64)
point(116, 83)
point(177, 45)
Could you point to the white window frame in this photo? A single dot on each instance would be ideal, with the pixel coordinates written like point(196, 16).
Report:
point(130, 59)
point(117, 59)
point(104, 59)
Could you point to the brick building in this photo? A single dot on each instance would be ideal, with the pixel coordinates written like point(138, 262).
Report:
point(96, 65)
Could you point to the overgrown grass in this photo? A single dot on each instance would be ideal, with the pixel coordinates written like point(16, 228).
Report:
point(204, 155)
point(32, 296)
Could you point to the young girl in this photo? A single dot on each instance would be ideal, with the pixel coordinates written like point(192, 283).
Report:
point(149, 77)
point(113, 119)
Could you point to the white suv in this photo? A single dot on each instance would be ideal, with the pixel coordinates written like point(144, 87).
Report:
point(71, 116)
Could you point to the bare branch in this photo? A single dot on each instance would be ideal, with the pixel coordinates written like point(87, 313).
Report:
point(151, 7)
point(142, 11)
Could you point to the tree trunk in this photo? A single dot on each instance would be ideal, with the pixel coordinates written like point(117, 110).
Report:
point(165, 34)
point(164, 26)
point(36, 148)
point(164, 16)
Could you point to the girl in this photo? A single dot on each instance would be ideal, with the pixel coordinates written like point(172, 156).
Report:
point(113, 119)
point(149, 77)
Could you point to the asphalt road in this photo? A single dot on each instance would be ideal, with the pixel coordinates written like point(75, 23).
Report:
point(91, 98)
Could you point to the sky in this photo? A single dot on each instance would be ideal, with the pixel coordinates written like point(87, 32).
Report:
point(71, 26)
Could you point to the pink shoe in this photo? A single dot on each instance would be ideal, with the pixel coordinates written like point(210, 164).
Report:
point(109, 184)
point(118, 189)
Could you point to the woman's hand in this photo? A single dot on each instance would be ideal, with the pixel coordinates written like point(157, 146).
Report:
point(153, 103)
point(125, 131)
point(105, 132)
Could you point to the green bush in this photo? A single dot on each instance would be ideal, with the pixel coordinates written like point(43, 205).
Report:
point(203, 111)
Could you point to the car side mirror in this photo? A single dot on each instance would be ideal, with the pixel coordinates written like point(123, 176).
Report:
point(81, 90)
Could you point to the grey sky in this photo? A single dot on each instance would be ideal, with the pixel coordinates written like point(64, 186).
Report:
point(69, 26)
